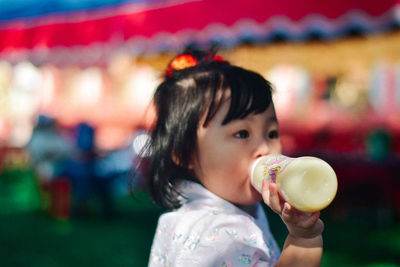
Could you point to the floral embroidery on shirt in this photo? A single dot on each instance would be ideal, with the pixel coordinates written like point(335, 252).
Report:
point(232, 232)
point(192, 242)
point(217, 210)
point(251, 240)
point(226, 264)
point(244, 259)
point(157, 257)
point(212, 236)
point(176, 237)
point(270, 252)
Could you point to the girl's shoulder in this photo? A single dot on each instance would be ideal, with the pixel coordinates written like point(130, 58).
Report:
point(203, 212)
point(206, 234)
point(207, 220)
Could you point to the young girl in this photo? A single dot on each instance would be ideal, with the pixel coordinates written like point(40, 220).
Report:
point(213, 120)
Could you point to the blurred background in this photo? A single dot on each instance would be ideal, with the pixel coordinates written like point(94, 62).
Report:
point(76, 79)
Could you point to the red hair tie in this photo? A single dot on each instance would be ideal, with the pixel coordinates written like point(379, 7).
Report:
point(218, 58)
point(187, 61)
point(181, 62)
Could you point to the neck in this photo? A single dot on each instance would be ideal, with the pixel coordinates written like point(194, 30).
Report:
point(250, 209)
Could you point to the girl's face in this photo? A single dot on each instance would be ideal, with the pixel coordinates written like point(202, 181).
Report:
point(225, 153)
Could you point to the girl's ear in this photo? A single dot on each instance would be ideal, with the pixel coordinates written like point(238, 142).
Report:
point(191, 161)
point(178, 162)
point(191, 165)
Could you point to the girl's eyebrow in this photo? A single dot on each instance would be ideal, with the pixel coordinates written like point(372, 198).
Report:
point(273, 119)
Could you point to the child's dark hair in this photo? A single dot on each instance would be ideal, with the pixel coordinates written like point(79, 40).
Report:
point(187, 97)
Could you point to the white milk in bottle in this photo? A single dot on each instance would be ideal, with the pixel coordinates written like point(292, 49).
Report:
point(307, 183)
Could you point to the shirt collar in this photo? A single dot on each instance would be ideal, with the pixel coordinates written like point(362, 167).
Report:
point(195, 194)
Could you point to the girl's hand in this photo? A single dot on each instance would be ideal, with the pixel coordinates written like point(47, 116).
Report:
point(300, 224)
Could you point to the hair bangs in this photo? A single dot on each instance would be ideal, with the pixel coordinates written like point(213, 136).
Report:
point(250, 93)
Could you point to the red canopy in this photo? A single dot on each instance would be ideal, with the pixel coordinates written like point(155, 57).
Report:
point(141, 26)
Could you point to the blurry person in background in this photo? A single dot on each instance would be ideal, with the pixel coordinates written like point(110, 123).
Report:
point(48, 150)
point(80, 168)
point(94, 173)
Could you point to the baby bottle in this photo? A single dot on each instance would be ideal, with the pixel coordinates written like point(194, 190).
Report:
point(307, 183)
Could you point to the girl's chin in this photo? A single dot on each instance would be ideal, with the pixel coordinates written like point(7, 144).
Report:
point(254, 196)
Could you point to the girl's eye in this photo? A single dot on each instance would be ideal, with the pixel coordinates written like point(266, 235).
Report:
point(242, 134)
point(273, 134)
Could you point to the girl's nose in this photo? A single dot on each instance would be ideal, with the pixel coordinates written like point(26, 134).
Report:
point(262, 148)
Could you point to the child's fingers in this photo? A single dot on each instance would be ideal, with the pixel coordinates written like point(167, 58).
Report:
point(287, 213)
point(274, 198)
point(302, 224)
point(265, 191)
point(299, 218)
point(271, 196)
point(310, 220)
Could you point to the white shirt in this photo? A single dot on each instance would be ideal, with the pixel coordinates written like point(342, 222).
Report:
point(210, 231)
